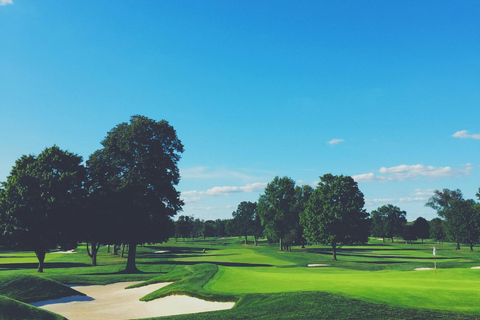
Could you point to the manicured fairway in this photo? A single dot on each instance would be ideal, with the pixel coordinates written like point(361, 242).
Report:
point(453, 289)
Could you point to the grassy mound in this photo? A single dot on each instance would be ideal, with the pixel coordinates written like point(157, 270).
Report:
point(313, 305)
point(189, 280)
point(13, 309)
point(28, 288)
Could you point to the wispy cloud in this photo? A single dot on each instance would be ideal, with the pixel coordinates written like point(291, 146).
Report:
point(5, 2)
point(227, 190)
point(463, 134)
point(335, 141)
point(412, 172)
point(382, 201)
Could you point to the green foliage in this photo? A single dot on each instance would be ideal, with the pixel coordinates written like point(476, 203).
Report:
point(462, 217)
point(137, 168)
point(13, 309)
point(390, 220)
point(244, 219)
point(41, 201)
point(422, 228)
point(334, 214)
point(276, 208)
point(437, 229)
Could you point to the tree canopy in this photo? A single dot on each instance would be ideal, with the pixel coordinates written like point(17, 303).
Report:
point(335, 214)
point(41, 201)
point(276, 207)
point(137, 167)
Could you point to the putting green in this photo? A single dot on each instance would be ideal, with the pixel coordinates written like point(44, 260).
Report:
point(453, 290)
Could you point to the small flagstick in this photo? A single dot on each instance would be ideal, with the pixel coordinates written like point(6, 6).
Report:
point(435, 260)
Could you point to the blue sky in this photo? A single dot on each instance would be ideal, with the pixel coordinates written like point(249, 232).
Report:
point(384, 91)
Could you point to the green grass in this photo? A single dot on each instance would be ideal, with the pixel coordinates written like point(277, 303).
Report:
point(13, 309)
point(372, 281)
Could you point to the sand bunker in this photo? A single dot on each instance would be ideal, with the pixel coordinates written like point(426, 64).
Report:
point(475, 268)
point(69, 251)
point(161, 251)
point(318, 265)
point(423, 269)
point(114, 302)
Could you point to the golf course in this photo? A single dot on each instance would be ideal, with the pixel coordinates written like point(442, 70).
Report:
point(376, 281)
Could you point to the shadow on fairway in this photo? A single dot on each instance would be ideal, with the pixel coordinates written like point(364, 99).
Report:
point(225, 264)
point(47, 265)
point(329, 252)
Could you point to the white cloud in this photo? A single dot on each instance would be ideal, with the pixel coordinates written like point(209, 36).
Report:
point(424, 192)
point(382, 201)
point(226, 190)
point(412, 172)
point(5, 2)
point(335, 141)
point(463, 134)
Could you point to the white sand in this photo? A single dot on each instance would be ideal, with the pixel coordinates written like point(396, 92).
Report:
point(318, 265)
point(69, 251)
point(113, 302)
point(423, 269)
point(161, 251)
point(475, 268)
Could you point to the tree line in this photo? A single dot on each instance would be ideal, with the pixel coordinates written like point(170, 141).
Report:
point(126, 194)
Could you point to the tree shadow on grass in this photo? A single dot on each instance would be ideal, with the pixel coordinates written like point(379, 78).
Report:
point(225, 264)
point(47, 265)
point(340, 253)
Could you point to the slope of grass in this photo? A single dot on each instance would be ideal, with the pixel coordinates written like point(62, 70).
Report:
point(13, 309)
point(313, 305)
point(28, 288)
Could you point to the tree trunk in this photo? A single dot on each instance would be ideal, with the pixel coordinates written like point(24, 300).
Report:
point(246, 239)
point(471, 247)
point(255, 240)
point(458, 246)
point(92, 252)
point(334, 247)
point(123, 249)
point(132, 250)
point(281, 245)
point(383, 239)
point(116, 247)
point(108, 248)
point(392, 239)
point(41, 258)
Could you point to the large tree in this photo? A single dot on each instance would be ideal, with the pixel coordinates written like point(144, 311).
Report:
point(244, 218)
point(335, 214)
point(42, 200)
point(139, 165)
point(451, 207)
point(276, 208)
point(378, 226)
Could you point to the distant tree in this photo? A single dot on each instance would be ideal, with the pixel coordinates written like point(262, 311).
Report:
point(257, 228)
point(230, 228)
point(208, 228)
point(448, 204)
point(184, 226)
point(408, 233)
point(335, 213)
point(378, 226)
point(139, 162)
point(276, 208)
point(437, 230)
point(220, 227)
point(421, 228)
point(244, 218)
point(394, 219)
point(42, 200)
